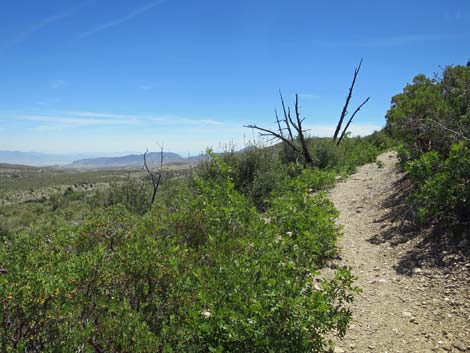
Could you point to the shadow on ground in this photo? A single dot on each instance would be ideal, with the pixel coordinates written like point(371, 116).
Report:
point(428, 246)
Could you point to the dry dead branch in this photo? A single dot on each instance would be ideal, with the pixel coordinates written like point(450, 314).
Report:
point(344, 112)
point(156, 177)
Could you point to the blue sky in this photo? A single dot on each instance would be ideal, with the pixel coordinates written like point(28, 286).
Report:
point(111, 75)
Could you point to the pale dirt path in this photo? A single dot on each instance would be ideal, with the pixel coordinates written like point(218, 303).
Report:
point(417, 312)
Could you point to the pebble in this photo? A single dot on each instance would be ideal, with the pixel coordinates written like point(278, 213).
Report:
point(460, 346)
point(417, 270)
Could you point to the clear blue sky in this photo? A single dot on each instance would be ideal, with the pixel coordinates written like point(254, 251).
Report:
point(113, 75)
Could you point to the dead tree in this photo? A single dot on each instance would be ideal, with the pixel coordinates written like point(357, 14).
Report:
point(292, 134)
point(344, 112)
point(155, 177)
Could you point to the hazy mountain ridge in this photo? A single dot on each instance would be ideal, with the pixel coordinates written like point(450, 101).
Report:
point(134, 160)
point(39, 159)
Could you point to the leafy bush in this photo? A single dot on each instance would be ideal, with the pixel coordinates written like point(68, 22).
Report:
point(431, 118)
point(443, 187)
point(432, 114)
point(133, 194)
point(325, 153)
point(355, 152)
point(255, 172)
point(381, 139)
point(305, 224)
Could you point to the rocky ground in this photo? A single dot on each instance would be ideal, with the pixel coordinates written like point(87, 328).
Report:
point(415, 284)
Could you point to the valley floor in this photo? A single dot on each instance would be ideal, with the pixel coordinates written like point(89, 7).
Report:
point(409, 302)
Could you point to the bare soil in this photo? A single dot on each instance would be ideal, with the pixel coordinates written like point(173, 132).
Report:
point(415, 284)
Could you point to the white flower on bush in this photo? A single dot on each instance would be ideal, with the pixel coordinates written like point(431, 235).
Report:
point(206, 314)
point(289, 234)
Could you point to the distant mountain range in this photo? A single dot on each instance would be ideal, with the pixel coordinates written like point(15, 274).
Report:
point(89, 160)
point(134, 160)
point(38, 159)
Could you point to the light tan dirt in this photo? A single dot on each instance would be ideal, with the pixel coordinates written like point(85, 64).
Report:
point(405, 306)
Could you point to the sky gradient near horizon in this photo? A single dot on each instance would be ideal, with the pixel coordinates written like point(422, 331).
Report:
point(110, 76)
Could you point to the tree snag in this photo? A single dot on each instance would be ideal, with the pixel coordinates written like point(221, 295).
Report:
point(155, 177)
point(344, 112)
point(290, 130)
point(296, 141)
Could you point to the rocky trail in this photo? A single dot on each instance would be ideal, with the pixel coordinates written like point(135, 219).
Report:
point(415, 291)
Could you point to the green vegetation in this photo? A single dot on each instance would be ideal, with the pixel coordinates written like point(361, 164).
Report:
point(35, 178)
point(258, 172)
point(227, 259)
point(432, 119)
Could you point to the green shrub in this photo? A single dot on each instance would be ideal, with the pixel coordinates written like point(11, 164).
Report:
point(134, 194)
point(325, 153)
point(432, 114)
point(255, 172)
point(443, 187)
point(355, 152)
point(381, 139)
point(431, 118)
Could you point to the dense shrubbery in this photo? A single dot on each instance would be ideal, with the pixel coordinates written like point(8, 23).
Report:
point(203, 271)
point(443, 187)
point(258, 172)
point(432, 119)
point(133, 194)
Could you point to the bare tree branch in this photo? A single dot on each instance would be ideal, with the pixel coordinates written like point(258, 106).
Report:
point(346, 104)
point(300, 132)
point(350, 120)
point(156, 178)
point(286, 117)
point(278, 123)
point(291, 140)
point(272, 133)
point(442, 126)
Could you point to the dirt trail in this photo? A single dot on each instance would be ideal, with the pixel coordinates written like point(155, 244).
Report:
point(424, 309)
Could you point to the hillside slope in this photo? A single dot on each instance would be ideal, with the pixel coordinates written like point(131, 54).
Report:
point(405, 306)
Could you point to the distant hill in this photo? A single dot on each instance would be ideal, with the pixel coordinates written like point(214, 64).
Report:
point(40, 159)
point(134, 161)
point(8, 166)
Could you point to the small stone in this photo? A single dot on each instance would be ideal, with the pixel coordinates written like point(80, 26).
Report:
point(460, 346)
point(338, 350)
point(407, 314)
